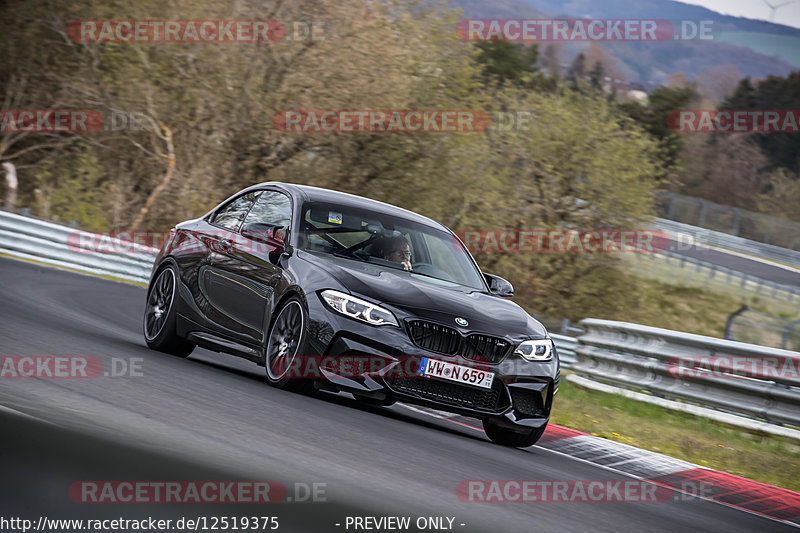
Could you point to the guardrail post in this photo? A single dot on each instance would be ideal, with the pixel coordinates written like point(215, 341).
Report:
point(786, 332)
point(671, 212)
point(768, 233)
point(729, 321)
point(703, 212)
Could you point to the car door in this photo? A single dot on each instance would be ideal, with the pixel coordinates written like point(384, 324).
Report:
point(244, 272)
point(219, 296)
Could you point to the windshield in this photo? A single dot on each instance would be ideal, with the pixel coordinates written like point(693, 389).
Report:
point(387, 241)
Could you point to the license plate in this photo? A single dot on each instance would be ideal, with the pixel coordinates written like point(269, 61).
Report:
point(458, 373)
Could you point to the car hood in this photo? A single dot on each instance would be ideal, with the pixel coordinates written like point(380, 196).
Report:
point(421, 296)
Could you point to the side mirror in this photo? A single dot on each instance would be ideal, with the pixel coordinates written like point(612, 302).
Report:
point(498, 286)
point(271, 236)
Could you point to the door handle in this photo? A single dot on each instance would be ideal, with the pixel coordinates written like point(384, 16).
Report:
point(225, 245)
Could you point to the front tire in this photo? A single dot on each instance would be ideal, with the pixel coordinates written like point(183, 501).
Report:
point(160, 315)
point(287, 341)
point(506, 436)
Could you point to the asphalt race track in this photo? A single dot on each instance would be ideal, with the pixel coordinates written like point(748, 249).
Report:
point(760, 269)
point(212, 417)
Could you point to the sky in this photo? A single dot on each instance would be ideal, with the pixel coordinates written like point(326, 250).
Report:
point(754, 9)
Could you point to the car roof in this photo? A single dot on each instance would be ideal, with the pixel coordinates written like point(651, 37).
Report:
point(307, 193)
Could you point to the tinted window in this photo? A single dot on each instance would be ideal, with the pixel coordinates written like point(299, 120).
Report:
point(272, 208)
point(371, 237)
point(232, 214)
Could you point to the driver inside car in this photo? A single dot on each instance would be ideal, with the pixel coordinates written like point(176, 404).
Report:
point(395, 249)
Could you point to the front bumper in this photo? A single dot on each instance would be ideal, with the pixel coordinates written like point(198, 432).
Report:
point(521, 394)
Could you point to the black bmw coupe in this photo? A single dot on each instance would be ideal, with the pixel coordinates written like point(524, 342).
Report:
point(331, 291)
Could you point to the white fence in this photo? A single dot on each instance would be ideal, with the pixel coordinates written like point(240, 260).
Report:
point(58, 245)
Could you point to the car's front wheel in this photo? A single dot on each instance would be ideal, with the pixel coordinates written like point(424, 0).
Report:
point(285, 349)
point(516, 438)
point(160, 316)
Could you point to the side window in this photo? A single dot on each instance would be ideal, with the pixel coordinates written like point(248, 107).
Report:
point(231, 215)
point(274, 209)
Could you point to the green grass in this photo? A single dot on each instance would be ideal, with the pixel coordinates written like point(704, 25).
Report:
point(761, 457)
point(692, 283)
point(690, 309)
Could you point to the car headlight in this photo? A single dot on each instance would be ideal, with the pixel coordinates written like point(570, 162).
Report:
point(358, 309)
point(538, 350)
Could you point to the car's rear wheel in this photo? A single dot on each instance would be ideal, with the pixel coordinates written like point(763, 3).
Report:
point(285, 343)
point(516, 438)
point(160, 315)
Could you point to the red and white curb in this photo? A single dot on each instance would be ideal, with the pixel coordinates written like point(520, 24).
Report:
point(768, 500)
point(727, 489)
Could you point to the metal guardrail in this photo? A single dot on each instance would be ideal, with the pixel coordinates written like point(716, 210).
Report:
point(716, 239)
point(566, 347)
point(561, 326)
point(54, 244)
point(662, 362)
point(733, 221)
point(731, 275)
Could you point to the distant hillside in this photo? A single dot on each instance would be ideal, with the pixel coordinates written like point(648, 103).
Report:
point(496, 9)
point(754, 48)
point(665, 9)
point(785, 47)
